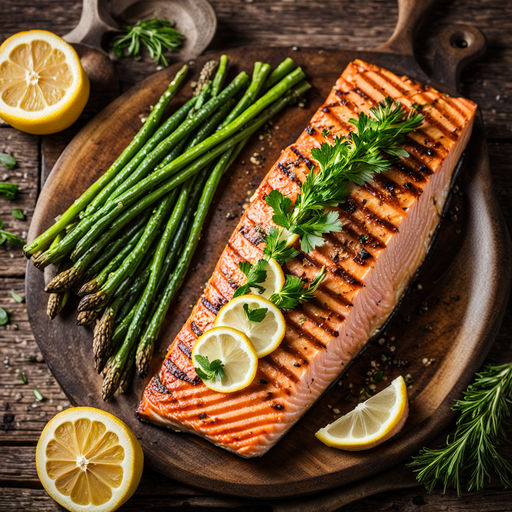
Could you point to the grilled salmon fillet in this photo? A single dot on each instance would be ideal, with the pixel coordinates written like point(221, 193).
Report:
point(387, 227)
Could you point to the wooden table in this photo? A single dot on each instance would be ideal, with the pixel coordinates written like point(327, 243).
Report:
point(362, 24)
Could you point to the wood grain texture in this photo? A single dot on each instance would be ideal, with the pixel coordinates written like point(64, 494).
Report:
point(489, 82)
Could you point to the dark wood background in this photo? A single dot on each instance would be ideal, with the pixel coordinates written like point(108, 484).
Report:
point(359, 24)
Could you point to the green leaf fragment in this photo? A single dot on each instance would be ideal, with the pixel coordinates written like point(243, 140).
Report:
point(4, 317)
point(7, 160)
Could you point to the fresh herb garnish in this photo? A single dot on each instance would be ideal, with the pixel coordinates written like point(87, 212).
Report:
point(156, 35)
point(255, 275)
point(23, 377)
point(38, 395)
point(369, 149)
point(7, 160)
point(4, 317)
point(18, 214)
point(5, 236)
point(208, 370)
point(277, 248)
point(9, 190)
point(16, 297)
point(294, 293)
point(256, 314)
point(472, 454)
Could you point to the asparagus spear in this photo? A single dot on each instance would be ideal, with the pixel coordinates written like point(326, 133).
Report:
point(43, 240)
point(145, 348)
point(220, 141)
point(71, 276)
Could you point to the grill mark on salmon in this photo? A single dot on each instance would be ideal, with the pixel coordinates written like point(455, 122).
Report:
point(306, 160)
point(179, 374)
point(289, 174)
point(208, 305)
point(185, 349)
point(196, 329)
point(366, 272)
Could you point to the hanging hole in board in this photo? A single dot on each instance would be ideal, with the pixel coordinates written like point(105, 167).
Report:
point(461, 40)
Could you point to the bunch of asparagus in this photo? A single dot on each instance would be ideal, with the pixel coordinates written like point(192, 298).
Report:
point(125, 245)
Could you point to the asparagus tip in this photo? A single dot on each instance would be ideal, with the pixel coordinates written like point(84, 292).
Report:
point(64, 280)
point(93, 301)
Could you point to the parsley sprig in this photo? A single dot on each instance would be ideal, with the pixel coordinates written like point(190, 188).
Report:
point(472, 454)
point(156, 35)
point(209, 370)
point(254, 314)
point(370, 148)
point(255, 274)
point(294, 293)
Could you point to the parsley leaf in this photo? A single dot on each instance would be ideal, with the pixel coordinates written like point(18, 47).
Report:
point(256, 314)
point(7, 160)
point(282, 207)
point(277, 248)
point(294, 293)
point(9, 190)
point(255, 274)
point(207, 370)
point(18, 214)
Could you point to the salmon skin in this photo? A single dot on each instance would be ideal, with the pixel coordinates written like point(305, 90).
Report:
point(387, 227)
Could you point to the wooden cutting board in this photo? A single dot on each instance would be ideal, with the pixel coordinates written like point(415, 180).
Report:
point(439, 334)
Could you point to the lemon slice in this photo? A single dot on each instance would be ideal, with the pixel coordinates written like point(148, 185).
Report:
point(236, 353)
point(371, 422)
point(265, 335)
point(43, 87)
point(274, 280)
point(88, 460)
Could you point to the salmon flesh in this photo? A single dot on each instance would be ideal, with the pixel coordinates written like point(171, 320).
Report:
point(387, 227)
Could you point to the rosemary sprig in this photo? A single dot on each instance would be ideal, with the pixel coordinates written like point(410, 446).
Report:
point(472, 454)
point(156, 35)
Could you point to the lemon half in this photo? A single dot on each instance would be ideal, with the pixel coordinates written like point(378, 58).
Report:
point(43, 87)
point(236, 353)
point(266, 335)
point(372, 422)
point(88, 460)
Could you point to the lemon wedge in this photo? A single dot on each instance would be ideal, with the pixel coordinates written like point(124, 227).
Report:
point(235, 352)
point(265, 335)
point(43, 87)
point(371, 422)
point(88, 460)
point(275, 279)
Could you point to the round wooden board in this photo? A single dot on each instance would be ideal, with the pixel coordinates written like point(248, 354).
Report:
point(451, 318)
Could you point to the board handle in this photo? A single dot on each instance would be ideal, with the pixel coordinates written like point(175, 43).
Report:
point(410, 14)
point(457, 46)
point(94, 23)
